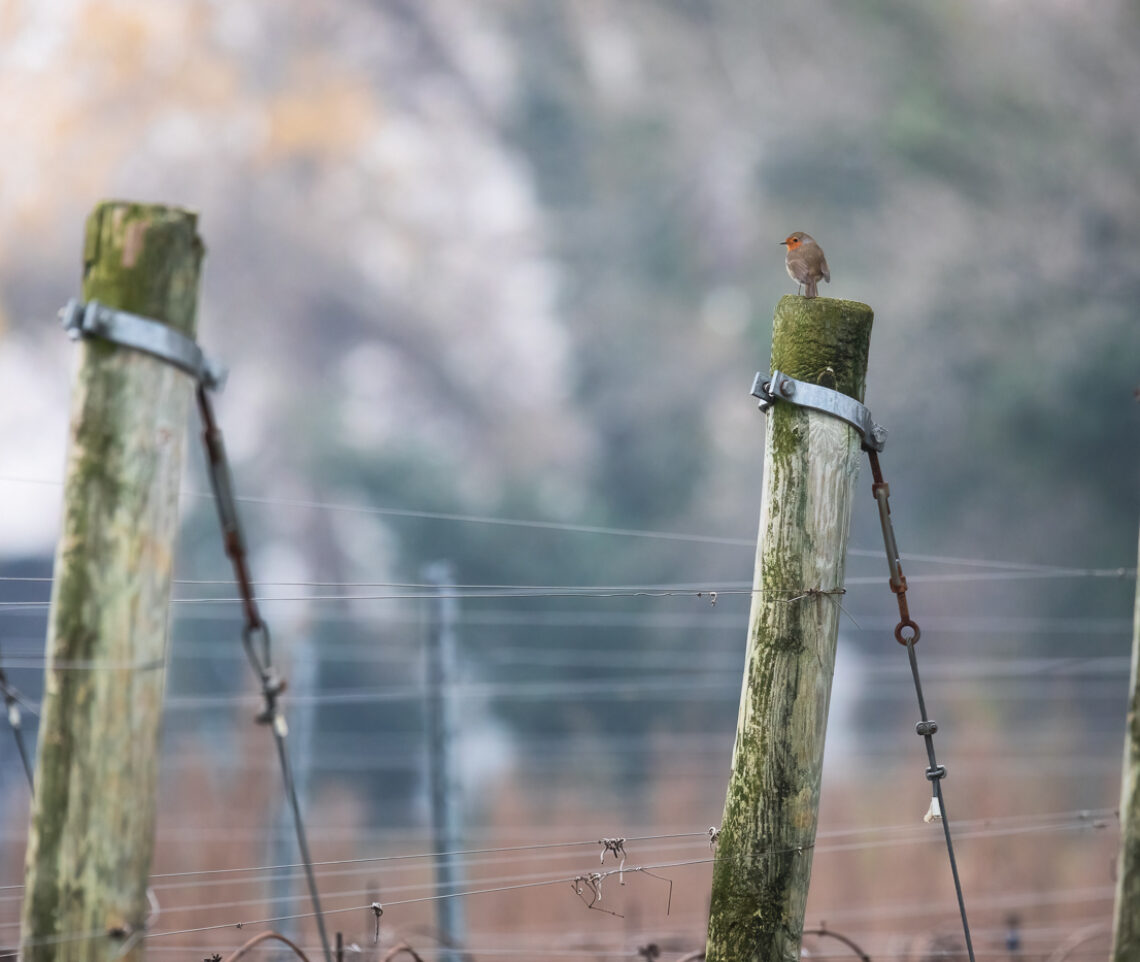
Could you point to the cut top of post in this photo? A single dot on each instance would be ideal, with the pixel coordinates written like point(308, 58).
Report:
point(823, 340)
point(144, 259)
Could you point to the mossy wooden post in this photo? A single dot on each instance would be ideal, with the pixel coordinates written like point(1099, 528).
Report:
point(92, 823)
point(811, 464)
point(1126, 925)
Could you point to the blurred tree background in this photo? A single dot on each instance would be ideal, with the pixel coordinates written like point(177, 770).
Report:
point(518, 260)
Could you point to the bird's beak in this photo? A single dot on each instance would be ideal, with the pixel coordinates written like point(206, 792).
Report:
point(782, 244)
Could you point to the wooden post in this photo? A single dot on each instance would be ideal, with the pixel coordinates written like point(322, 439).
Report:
point(445, 791)
point(1126, 924)
point(92, 823)
point(811, 463)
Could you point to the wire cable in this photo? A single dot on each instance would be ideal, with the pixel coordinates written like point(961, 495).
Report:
point(710, 592)
point(255, 633)
point(907, 632)
point(857, 838)
point(578, 528)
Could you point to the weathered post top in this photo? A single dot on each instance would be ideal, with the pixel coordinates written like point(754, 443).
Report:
point(823, 340)
point(144, 258)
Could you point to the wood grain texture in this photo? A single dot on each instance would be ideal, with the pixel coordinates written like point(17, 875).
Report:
point(92, 825)
point(811, 464)
point(1126, 922)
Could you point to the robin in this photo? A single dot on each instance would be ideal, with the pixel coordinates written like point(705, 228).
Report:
point(805, 262)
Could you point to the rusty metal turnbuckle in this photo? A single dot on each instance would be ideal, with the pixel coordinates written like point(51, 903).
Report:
point(255, 634)
point(907, 634)
point(907, 631)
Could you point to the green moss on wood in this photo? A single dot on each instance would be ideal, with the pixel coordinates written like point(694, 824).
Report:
point(92, 826)
point(1126, 918)
point(764, 851)
point(144, 258)
point(823, 340)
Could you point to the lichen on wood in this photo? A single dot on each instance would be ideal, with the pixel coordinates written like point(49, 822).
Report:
point(811, 461)
point(1126, 920)
point(92, 824)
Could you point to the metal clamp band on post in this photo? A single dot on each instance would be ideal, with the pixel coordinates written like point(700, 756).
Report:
point(141, 334)
point(779, 387)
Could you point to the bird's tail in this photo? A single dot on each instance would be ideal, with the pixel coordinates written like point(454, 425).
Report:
point(811, 288)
